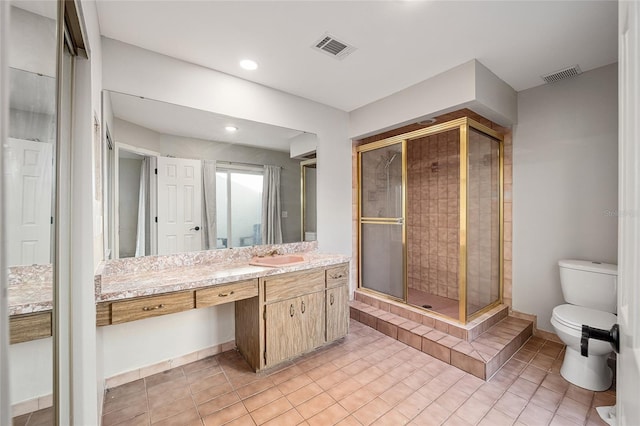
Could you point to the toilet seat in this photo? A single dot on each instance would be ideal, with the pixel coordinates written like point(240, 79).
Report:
point(573, 317)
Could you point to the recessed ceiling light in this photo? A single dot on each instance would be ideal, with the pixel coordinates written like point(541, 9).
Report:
point(231, 129)
point(248, 64)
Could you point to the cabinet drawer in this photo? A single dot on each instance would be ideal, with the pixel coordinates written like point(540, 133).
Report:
point(148, 307)
point(338, 275)
point(286, 286)
point(23, 328)
point(226, 293)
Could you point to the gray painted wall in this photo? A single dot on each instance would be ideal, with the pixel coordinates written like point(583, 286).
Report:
point(565, 187)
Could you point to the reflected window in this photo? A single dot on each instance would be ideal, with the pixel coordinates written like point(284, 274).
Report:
point(238, 207)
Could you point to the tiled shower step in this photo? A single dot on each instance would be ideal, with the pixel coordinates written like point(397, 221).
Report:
point(468, 332)
point(481, 357)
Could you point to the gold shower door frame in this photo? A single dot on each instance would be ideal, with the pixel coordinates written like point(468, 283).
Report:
point(463, 125)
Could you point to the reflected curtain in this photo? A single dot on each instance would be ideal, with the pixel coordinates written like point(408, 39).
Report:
point(271, 208)
point(209, 204)
point(143, 210)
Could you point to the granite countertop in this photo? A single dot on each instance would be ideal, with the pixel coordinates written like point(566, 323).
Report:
point(30, 287)
point(146, 283)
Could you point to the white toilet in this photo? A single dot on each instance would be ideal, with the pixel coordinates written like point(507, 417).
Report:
point(590, 290)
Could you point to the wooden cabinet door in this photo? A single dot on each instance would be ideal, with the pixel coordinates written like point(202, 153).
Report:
point(311, 308)
point(337, 312)
point(293, 327)
point(283, 331)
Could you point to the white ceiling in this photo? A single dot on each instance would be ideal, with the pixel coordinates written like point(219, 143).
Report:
point(171, 119)
point(399, 43)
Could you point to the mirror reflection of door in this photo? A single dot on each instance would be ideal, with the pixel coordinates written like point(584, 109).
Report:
point(135, 201)
point(29, 191)
point(179, 205)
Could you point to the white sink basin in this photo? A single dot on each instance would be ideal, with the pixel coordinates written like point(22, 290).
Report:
point(277, 261)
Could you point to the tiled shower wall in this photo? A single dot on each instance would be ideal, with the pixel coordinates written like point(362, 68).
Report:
point(433, 219)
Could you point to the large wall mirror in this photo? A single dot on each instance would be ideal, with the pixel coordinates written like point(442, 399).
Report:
point(178, 179)
point(30, 188)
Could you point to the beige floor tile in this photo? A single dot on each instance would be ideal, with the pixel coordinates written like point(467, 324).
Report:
point(434, 414)
point(534, 415)
point(329, 416)
point(290, 418)
point(304, 394)
point(372, 411)
point(573, 410)
point(175, 407)
point(225, 415)
point(217, 404)
point(495, 417)
point(391, 418)
point(315, 405)
point(473, 410)
point(366, 378)
point(271, 410)
point(511, 404)
point(119, 416)
point(255, 388)
point(186, 418)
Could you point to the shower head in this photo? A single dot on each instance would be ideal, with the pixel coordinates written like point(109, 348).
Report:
point(386, 166)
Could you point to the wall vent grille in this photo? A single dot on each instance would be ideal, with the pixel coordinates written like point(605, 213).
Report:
point(329, 45)
point(562, 74)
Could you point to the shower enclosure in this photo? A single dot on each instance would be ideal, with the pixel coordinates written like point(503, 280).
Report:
point(430, 218)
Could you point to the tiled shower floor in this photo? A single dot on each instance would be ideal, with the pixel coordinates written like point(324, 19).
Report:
point(366, 378)
point(439, 304)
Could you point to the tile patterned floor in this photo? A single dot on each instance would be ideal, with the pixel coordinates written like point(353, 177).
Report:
point(367, 378)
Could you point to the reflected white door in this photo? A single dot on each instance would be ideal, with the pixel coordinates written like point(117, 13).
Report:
point(29, 176)
point(179, 205)
point(628, 385)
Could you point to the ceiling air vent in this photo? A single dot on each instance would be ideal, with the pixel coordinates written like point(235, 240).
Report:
point(562, 74)
point(332, 47)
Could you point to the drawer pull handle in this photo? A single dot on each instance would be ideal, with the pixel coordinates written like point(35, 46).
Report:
point(303, 308)
point(292, 311)
point(153, 308)
point(225, 294)
point(335, 277)
point(331, 299)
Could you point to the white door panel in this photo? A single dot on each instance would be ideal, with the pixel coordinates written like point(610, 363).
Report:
point(29, 174)
point(628, 384)
point(179, 205)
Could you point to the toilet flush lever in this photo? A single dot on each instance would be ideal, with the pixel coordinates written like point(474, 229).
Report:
point(612, 336)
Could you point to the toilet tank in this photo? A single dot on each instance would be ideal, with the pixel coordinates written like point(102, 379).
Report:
point(590, 284)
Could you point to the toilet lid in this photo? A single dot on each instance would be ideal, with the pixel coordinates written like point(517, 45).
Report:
point(575, 316)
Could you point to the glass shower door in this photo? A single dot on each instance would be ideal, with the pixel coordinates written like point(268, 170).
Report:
point(483, 221)
point(382, 233)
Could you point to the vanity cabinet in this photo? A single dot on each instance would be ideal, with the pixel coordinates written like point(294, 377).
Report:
point(277, 317)
point(297, 312)
point(293, 314)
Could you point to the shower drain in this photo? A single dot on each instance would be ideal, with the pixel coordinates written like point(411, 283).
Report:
point(427, 306)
